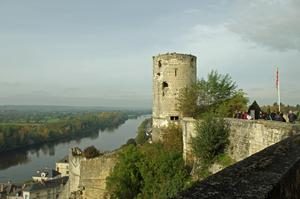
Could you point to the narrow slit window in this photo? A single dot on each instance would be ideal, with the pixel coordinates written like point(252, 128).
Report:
point(175, 72)
point(174, 118)
point(164, 88)
point(159, 63)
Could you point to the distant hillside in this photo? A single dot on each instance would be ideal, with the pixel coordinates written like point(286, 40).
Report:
point(50, 108)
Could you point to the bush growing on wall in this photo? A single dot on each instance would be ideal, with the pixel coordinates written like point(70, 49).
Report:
point(211, 139)
point(172, 138)
point(91, 152)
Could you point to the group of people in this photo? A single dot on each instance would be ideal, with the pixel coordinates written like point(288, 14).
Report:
point(243, 115)
point(290, 117)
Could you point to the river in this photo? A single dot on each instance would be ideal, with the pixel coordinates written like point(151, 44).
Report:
point(19, 165)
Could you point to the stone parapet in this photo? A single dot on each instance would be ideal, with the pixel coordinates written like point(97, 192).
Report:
point(246, 136)
point(271, 173)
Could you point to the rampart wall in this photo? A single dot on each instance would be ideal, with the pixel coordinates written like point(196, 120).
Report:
point(246, 136)
point(88, 176)
point(273, 173)
point(94, 173)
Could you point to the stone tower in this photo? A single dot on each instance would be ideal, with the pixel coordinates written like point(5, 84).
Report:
point(171, 72)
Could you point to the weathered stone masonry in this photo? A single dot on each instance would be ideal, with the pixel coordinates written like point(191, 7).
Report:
point(89, 175)
point(171, 72)
point(246, 136)
point(273, 173)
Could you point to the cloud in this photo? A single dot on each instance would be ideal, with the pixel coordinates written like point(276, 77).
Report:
point(251, 65)
point(191, 11)
point(271, 23)
point(9, 84)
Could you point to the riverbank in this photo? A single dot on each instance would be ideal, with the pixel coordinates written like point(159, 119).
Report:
point(19, 165)
point(18, 135)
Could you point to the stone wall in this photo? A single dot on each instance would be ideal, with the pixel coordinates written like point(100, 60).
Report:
point(94, 173)
point(188, 132)
point(158, 125)
point(88, 176)
point(74, 172)
point(250, 136)
point(246, 136)
point(271, 173)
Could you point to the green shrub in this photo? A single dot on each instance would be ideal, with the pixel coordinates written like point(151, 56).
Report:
point(91, 152)
point(211, 139)
point(126, 181)
point(141, 136)
point(224, 160)
point(147, 171)
point(131, 141)
point(172, 138)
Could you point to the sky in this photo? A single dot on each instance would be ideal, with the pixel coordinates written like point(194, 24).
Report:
point(99, 53)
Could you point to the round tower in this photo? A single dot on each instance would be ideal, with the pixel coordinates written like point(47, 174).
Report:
point(171, 72)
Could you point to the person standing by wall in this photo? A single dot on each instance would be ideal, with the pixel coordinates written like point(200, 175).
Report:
point(292, 117)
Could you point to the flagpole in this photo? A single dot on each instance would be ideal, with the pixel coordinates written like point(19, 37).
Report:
point(278, 89)
point(278, 92)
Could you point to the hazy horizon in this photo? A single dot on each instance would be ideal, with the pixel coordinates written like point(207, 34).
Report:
point(97, 53)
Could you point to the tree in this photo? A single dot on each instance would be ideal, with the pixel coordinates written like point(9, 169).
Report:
point(215, 89)
point(238, 102)
point(216, 94)
point(211, 139)
point(163, 172)
point(126, 181)
point(187, 101)
point(147, 171)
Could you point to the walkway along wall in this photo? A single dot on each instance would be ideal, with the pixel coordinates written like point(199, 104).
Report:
point(246, 136)
point(273, 173)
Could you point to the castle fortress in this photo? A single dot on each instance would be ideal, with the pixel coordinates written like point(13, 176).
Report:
point(171, 73)
point(271, 171)
point(278, 163)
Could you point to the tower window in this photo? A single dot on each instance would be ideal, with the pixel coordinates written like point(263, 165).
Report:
point(158, 74)
point(175, 72)
point(159, 63)
point(174, 118)
point(164, 88)
point(165, 85)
